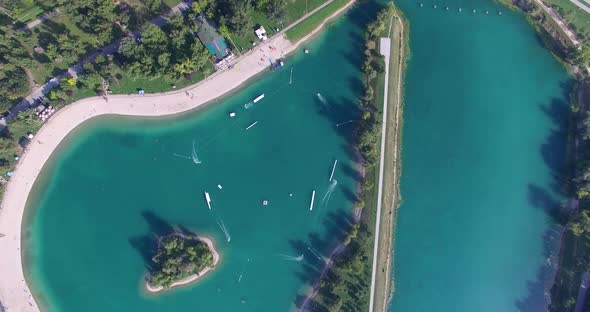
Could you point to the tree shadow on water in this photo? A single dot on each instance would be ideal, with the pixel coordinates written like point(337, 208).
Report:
point(317, 248)
point(553, 149)
point(538, 296)
point(147, 244)
point(547, 199)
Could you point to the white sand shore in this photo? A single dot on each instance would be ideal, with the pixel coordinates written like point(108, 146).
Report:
point(14, 291)
point(194, 277)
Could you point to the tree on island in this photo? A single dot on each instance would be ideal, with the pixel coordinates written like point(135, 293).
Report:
point(179, 257)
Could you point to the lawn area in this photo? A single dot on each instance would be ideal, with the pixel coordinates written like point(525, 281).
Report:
point(312, 22)
point(244, 43)
point(129, 86)
point(47, 33)
point(298, 8)
point(27, 10)
point(171, 3)
point(295, 10)
point(576, 18)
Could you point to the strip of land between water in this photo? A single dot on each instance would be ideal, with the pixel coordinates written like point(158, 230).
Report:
point(14, 291)
point(389, 165)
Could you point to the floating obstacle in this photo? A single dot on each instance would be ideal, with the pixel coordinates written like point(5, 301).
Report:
point(258, 98)
point(333, 168)
point(208, 199)
point(252, 125)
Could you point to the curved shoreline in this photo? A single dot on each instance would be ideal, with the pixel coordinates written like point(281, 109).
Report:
point(14, 291)
point(194, 277)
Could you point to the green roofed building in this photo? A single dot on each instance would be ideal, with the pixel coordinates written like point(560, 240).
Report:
point(210, 38)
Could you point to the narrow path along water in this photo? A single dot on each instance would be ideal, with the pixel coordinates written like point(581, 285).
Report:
point(117, 182)
point(483, 148)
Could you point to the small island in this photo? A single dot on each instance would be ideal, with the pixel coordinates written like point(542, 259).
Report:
point(180, 260)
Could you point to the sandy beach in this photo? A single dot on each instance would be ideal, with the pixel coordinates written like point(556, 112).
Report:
point(15, 295)
point(195, 277)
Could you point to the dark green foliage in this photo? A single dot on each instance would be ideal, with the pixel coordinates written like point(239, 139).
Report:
point(369, 132)
point(96, 17)
point(153, 5)
point(277, 10)
point(237, 16)
point(178, 257)
point(14, 83)
point(574, 257)
point(172, 52)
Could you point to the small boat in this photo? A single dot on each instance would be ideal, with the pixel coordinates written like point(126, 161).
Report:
point(208, 199)
point(258, 98)
point(312, 199)
point(219, 186)
point(232, 114)
point(252, 125)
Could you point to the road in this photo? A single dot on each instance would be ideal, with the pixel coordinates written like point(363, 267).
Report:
point(77, 68)
point(582, 5)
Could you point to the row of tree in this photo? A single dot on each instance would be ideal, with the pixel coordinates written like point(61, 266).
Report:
point(575, 249)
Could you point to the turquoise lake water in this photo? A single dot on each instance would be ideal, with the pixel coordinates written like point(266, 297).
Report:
point(118, 181)
point(483, 141)
point(483, 145)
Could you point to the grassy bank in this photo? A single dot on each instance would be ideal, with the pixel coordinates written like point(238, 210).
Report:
point(312, 22)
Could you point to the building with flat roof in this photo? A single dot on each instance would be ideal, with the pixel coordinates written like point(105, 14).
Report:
point(211, 39)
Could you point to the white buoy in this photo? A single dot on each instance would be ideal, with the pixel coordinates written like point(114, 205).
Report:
point(460, 9)
point(434, 6)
